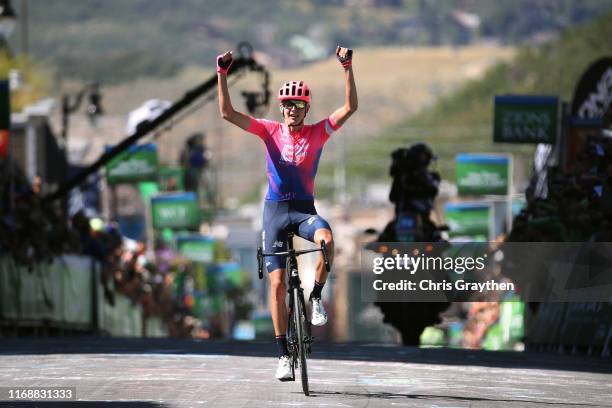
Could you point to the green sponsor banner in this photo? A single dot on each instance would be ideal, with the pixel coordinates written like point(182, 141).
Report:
point(199, 276)
point(148, 189)
point(224, 276)
point(197, 248)
point(483, 174)
point(168, 174)
point(201, 305)
point(138, 163)
point(526, 119)
point(508, 330)
point(432, 336)
point(264, 328)
point(175, 210)
point(470, 220)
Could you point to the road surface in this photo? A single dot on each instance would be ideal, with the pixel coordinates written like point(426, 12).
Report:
point(143, 373)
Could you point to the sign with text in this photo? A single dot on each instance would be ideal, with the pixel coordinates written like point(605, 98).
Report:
point(471, 220)
point(198, 248)
point(526, 119)
point(175, 210)
point(138, 163)
point(483, 174)
point(592, 96)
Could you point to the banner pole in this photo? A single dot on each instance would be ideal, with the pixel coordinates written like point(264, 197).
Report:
point(150, 232)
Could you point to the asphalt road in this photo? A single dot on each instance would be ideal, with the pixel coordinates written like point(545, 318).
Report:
point(143, 373)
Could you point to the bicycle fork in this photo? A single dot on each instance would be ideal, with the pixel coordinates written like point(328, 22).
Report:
point(298, 292)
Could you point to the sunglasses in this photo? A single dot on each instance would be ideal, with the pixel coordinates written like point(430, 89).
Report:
point(291, 104)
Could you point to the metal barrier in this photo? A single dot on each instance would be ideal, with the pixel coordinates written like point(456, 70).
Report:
point(67, 294)
point(579, 327)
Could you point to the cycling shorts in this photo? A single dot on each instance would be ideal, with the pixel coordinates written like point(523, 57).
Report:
point(282, 217)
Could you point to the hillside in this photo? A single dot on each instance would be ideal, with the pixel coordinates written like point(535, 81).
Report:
point(114, 41)
point(423, 96)
point(462, 121)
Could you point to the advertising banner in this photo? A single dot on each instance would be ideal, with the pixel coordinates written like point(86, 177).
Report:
point(148, 189)
point(483, 174)
point(85, 196)
point(592, 96)
point(138, 163)
point(175, 210)
point(592, 99)
point(198, 248)
point(225, 276)
point(171, 178)
point(469, 220)
point(526, 119)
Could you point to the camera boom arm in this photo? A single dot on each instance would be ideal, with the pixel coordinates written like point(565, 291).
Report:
point(244, 62)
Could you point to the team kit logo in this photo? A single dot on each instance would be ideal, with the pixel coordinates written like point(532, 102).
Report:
point(294, 152)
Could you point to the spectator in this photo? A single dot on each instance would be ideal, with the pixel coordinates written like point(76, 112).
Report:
point(195, 160)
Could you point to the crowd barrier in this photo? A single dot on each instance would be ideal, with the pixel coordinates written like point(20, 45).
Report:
point(572, 327)
point(67, 294)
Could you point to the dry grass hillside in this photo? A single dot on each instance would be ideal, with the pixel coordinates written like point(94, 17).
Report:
point(393, 83)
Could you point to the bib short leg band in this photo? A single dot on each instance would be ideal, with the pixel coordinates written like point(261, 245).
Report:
point(282, 217)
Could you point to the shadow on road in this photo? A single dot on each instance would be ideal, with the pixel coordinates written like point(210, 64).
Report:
point(445, 398)
point(330, 351)
point(82, 404)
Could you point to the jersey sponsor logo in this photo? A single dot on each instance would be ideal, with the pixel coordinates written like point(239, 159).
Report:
point(284, 196)
point(277, 244)
point(294, 153)
point(311, 220)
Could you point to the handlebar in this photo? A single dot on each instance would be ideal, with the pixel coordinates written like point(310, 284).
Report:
point(261, 255)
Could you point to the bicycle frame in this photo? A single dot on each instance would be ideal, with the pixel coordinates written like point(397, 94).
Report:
point(291, 254)
point(299, 340)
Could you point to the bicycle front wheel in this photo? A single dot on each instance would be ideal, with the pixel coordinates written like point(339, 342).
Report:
point(299, 319)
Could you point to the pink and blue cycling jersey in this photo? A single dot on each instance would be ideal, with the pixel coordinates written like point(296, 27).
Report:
point(292, 157)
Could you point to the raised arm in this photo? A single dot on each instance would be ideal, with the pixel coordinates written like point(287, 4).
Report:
point(345, 56)
point(225, 103)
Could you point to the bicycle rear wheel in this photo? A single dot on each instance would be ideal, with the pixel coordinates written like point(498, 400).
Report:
point(299, 323)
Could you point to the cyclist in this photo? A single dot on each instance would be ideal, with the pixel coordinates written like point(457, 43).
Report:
point(293, 150)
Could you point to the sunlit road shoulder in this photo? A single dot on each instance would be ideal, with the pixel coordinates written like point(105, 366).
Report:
point(175, 373)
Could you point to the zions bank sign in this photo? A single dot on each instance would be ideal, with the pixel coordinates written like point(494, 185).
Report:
point(526, 119)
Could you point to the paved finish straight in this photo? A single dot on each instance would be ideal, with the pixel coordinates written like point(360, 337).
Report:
point(111, 372)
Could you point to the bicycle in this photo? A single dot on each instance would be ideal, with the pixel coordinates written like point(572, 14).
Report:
point(299, 338)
